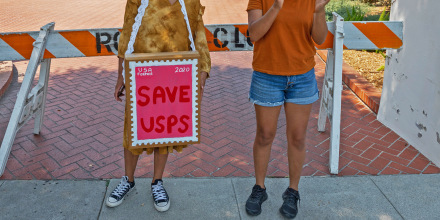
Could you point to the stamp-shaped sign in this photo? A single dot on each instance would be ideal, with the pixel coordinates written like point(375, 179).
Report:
point(163, 94)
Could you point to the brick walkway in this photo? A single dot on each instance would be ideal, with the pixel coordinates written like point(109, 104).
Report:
point(82, 132)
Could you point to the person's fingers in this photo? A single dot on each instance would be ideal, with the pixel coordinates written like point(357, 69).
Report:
point(203, 81)
point(202, 86)
point(116, 96)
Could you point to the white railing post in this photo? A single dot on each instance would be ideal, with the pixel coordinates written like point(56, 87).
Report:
point(332, 91)
point(29, 102)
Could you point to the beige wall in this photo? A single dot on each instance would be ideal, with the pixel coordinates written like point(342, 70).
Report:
point(410, 103)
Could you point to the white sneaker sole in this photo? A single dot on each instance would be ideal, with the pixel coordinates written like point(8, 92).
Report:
point(162, 208)
point(114, 204)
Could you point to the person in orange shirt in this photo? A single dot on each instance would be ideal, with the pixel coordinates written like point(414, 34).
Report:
point(284, 33)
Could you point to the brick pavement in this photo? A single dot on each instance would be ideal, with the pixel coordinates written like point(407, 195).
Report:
point(82, 132)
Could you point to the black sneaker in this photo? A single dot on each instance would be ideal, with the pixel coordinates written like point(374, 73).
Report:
point(289, 209)
point(160, 196)
point(120, 192)
point(257, 197)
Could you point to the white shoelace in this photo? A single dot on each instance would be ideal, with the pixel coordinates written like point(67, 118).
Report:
point(159, 192)
point(121, 189)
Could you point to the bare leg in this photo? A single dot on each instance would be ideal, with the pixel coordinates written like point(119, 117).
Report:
point(130, 161)
point(267, 118)
point(160, 161)
point(297, 118)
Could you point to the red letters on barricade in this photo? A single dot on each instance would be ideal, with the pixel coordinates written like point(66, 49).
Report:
point(164, 98)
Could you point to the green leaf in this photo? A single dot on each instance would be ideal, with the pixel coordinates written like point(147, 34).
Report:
point(384, 16)
point(381, 68)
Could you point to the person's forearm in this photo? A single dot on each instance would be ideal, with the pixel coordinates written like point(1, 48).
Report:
point(120, 66)
point(261, 26)
point(319, 29)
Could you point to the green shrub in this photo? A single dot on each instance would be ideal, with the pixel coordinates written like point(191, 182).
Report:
point(384, 16)
point(355, 15)
point(381, 2)
point(344, 7)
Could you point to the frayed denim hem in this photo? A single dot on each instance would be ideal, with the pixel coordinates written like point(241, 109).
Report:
point(265, 104)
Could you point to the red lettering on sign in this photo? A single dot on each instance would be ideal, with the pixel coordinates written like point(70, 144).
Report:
point(161, 126)
point(145, 127)
point(142, 94)
point(172, 95)
point(160, 94)
point(171, 122)
point(184, 123)
point(184, 92)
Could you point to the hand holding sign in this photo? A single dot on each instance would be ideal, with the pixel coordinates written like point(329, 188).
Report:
point(203, 76)
point(119, 83)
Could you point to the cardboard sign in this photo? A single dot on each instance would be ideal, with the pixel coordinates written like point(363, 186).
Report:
point(163, 93)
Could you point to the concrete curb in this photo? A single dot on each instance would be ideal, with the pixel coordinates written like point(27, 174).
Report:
point(6, 71)
point(369, 94)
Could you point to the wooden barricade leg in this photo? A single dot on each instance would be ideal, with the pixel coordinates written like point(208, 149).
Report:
point(326, 100)
point(331, 93)
point(41, 93)
point(337, 93)
point(29, 103)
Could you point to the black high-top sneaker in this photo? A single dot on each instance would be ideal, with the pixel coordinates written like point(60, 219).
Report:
point(160, 196)
point(120, 192)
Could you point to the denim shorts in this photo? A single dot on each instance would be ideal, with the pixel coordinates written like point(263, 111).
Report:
point(274, 90)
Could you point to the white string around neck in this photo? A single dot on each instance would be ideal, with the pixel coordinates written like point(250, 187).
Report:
point(138, 21)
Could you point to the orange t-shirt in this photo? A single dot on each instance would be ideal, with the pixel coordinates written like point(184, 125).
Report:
point(287, 48)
